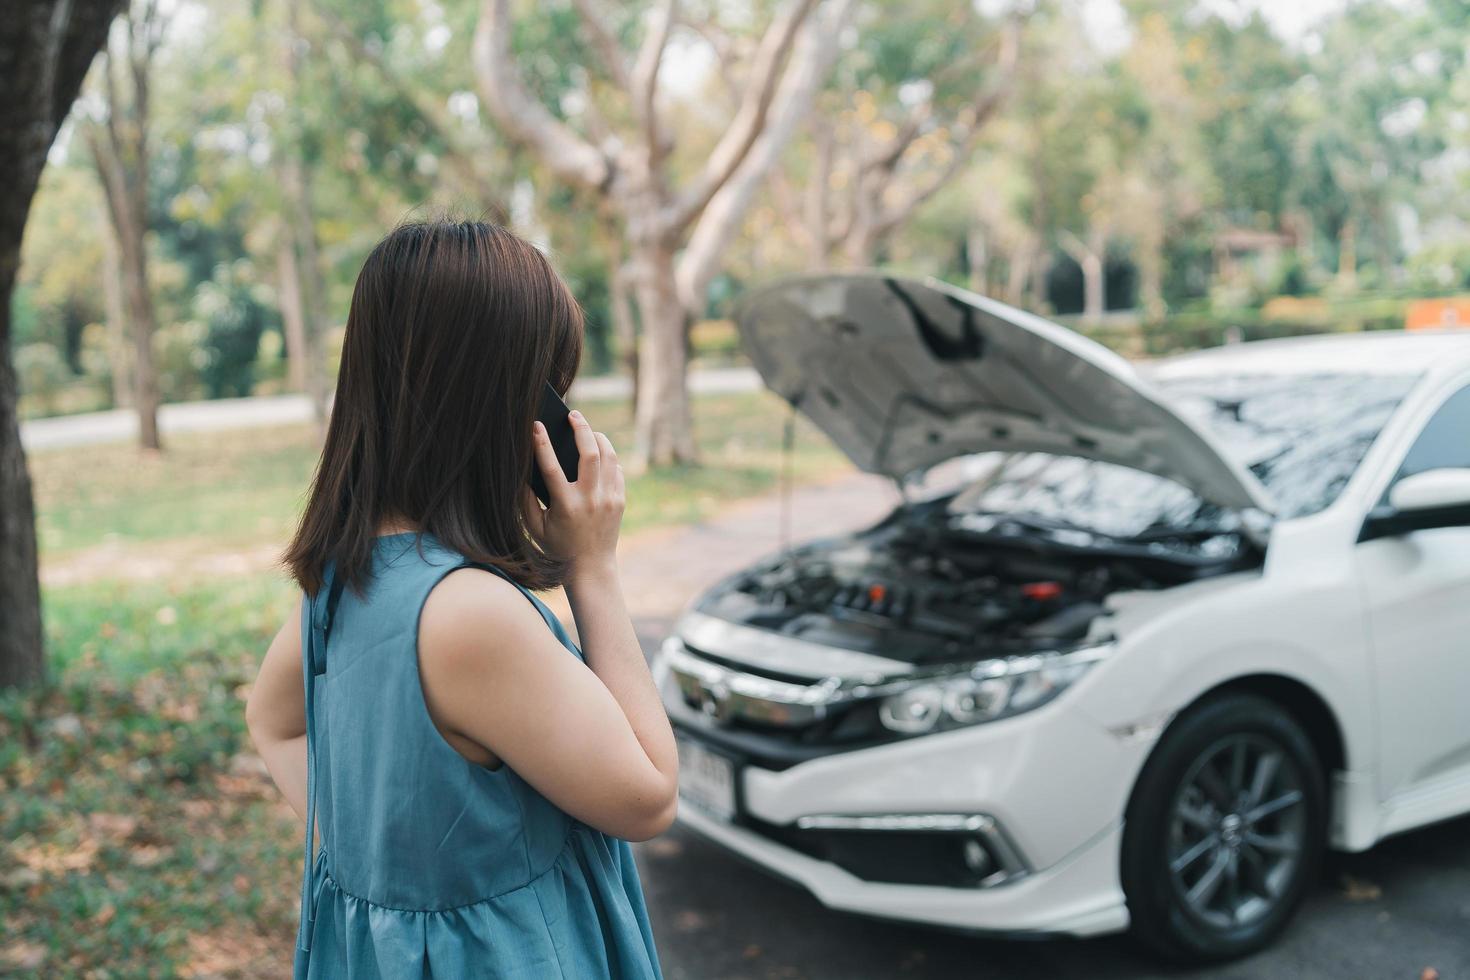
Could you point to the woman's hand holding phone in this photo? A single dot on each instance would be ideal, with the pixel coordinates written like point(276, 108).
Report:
point(581, 524)
point(581, 521)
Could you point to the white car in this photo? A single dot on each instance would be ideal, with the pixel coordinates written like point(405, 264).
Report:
point(1171, 632)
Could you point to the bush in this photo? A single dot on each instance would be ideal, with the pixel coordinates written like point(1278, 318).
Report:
point(42, 373)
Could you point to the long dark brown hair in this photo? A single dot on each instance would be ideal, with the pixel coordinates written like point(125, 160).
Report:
point(454, 329)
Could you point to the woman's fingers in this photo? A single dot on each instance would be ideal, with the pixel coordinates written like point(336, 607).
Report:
point(556, 480)
point(609, 455)
point(589, 454)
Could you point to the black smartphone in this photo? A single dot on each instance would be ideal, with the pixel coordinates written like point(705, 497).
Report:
point(553, 415)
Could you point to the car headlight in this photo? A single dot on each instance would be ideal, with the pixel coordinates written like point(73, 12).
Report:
point(986, 690)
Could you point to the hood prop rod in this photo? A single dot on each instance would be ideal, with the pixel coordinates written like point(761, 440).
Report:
point(788, 447)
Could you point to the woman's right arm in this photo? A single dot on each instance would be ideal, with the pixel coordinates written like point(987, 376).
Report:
point(591, 737)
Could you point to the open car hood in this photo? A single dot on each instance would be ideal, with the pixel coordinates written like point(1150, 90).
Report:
point(904, 374)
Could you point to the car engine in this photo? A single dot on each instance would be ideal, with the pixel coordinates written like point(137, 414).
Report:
point(927, 587)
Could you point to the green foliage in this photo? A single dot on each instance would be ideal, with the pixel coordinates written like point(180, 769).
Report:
point(1198, 123)
point(131, 818)
point(235, 319)
point(42, 372)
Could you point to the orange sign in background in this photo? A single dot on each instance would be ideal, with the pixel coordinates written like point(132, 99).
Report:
point(1438, 314)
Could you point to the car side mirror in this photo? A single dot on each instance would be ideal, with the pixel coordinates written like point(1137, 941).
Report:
point(1433, 498)
point(1432, 490)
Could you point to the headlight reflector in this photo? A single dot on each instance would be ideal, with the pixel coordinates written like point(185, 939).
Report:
point(985, 691)
point(916, 710)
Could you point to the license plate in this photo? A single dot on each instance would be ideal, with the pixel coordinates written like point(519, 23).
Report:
point(706, 779)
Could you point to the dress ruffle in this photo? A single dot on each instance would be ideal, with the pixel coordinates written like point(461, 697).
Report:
point(581, 918)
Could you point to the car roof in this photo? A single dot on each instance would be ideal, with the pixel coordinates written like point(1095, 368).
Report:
point(1394, 352)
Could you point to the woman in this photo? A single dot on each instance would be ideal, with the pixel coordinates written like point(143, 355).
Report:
point(473, 775)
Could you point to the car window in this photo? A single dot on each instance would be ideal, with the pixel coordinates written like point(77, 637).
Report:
point(1302, 435)
point(1444, 441)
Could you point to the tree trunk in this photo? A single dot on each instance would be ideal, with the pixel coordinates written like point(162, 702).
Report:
point(120, 152)
point(1151, 280)
point(860, 247)
point(1347, 255)
point(139, 303)
point(1018, 273)
point(309, 290)
point(1089, 255)
point(663, 432)
point(1040, 273)
point(293, 317)
point(625, 325)
point(977, 257)
point(21, 660)
point(118, 358)
point(1094, 297)
point(45, 48)
point(312, 291)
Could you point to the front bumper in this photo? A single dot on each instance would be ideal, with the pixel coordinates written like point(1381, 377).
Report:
point(1054, 781)
point(1077, 897)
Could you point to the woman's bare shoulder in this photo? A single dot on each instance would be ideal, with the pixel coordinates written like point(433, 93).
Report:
point(472, 611)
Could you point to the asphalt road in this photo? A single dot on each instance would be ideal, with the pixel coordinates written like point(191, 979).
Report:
point(1394, 912)
point(222, 414)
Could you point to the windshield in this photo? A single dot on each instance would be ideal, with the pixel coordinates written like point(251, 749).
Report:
point(1302, 436)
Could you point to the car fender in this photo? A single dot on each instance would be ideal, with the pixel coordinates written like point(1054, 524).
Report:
point(1183, 643)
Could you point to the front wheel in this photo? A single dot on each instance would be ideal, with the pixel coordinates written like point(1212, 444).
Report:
point(1225, 830)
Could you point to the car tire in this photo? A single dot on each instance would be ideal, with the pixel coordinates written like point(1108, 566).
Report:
point(1234, 789)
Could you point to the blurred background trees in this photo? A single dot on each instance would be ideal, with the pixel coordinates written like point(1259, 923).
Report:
point(1161, 170)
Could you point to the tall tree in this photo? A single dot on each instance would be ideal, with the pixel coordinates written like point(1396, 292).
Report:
point(302, 288)
point(119, 143)
point(905, 121)
point(45, 49)
point(631, 170)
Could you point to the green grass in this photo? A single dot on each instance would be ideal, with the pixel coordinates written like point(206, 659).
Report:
point(130, 834)
point(127, 629)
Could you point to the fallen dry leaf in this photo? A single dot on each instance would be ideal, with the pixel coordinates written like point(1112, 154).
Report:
point(23, 955)
point(54, 857)
point(147, 855)
point(1356, 890)
point(117, 826)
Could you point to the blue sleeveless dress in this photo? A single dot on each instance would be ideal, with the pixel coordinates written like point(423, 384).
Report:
point(431, 865)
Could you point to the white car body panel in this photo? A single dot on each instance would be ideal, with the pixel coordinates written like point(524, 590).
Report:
point(1378, 631)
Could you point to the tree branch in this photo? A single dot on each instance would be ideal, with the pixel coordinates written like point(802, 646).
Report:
point(604, 42)
point(886, 157)
point(811, 62)
point(724, 48)
point(556, 144)
point(461, 156)
point(765, 73)
point(645, 82)
point(976, 114)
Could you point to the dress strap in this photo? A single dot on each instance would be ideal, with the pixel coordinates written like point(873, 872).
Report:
point(317, 625)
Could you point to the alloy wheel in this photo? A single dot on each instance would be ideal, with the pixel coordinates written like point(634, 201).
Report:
point(1236, 831)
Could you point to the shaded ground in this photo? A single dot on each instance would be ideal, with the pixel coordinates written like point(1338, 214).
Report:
point(1393, 912)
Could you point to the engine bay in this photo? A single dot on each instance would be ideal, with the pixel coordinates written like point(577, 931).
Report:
point(925, 586)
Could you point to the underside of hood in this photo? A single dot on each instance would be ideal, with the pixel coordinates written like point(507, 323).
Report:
point(904, 374)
